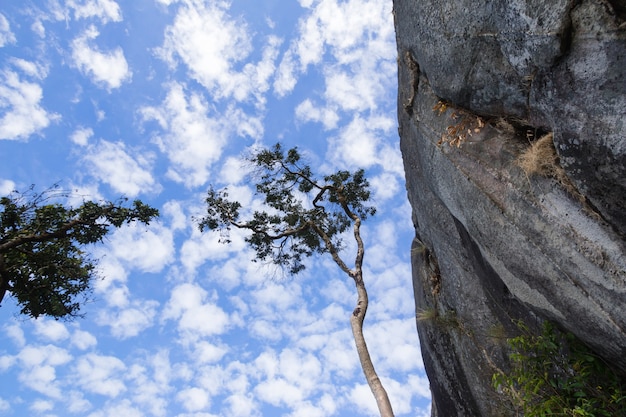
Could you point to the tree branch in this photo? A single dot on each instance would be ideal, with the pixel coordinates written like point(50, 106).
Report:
point(46, 236)
point(283, 234)
point(333, 251)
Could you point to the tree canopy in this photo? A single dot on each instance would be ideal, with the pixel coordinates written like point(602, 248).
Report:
point(43, 264)
point(304, 215)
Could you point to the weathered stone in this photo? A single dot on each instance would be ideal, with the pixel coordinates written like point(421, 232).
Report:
point(583, 100)
point(493, 244)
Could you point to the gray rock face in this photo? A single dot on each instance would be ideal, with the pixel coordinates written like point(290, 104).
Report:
point(494, 244)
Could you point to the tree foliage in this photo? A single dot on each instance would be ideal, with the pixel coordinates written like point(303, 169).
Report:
point(304, 215)
point(43, 264)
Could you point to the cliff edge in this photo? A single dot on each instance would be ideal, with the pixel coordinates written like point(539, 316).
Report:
point(480, 83)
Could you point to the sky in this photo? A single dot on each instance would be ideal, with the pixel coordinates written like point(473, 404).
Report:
point(158, 100)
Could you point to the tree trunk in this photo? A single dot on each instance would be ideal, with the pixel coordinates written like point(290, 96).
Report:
point(356, 322)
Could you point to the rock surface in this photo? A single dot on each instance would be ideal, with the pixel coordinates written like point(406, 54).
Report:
point(493, 243)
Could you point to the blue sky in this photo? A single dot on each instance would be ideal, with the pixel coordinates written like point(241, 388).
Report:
point(157, 100)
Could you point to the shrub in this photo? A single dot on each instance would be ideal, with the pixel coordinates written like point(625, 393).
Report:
point(555, 374)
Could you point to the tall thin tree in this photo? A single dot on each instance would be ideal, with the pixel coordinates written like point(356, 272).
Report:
point(304, 216)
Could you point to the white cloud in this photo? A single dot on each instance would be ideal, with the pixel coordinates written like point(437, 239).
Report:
point(288, 379)
point(207, 246)
point(150, 381)
point(105, 10)
point(361, 143)
point(206, 352)
point(38, 368)
point(81, 136)
point(100, 374)
point(20, 103)
point(285, 79)
point(51, 330)
point(355, 41)
point(6, 36)
point(16, 334)
point(38, 28)
point(345, 27)
point(7, 361)
point(211, 44)
point(6, 187)
point(32, 69)
point(353, 92)
point(279, 392)
point(384, 186)
point(4, 405)
point(110, 163)
point(76, 403)
point(175, 211)
point(192, 141)
point(129, 321)
point(83, 340)
point(308, 112)
point(196, 317)
point(105, 68)
point(40, 406)
point(193, 399)
point(241, 405)
point(361, 396)
point(147, 248)
point(122, 408)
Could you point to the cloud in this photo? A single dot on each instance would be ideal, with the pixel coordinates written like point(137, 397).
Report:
point(105, 10)
point(129, 321)
point(20, 103)
point(38, 371)
point(147, 248)
point(6, 187)
point(211, 44)
point(83, 340)
point(105, 68)
point(241, 405)
point(110, 163)
point(289, 379)
point(384, 186)
point(192, 141)
point(6, 36)
point(346, 27)
point(285, 79)
point(32, 69)
point(361, 143)
point(51, 330)
point(196, 317)
point(41, 406)
point(81, 136)
point(175, 211)
point(76, 403)
point(308, 112)
point(122, 408)
point(151, 383)
point(361, 396)
point(193, 399)
point(100, 374)
point(355, 40)
point(15, 333)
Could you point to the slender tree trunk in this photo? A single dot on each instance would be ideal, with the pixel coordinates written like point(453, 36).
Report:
point(356, 322)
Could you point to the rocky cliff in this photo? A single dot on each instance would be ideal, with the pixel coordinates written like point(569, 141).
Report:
point(480, 82)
